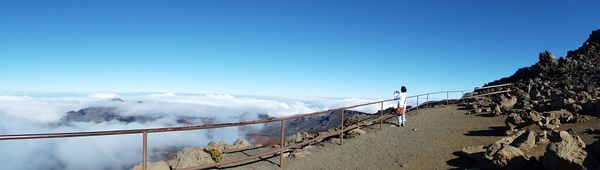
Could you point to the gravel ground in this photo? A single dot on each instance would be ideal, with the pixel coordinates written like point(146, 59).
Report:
point(430, 140)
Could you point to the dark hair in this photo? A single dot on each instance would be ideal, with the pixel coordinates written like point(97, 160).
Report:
point(403, 89)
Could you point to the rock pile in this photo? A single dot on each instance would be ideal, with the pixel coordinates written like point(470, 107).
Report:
point(196, 156)
point(547, 94)
point(569, 83)
point(531, 150)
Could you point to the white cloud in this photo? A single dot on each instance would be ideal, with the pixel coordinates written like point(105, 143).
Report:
point(39, 115)
point(103, 95)
point(163, 94)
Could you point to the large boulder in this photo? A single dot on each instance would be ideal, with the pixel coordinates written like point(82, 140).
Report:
point(525, 141)
point(296, 138)
point(513, 121)
point(217, 145)
point(299, 153)
point(496, 146)
point(562, 115)
point(507, 102)
point(240, 143)
point(509, 157)
point(191, 157)
point(565, 151)
point(522, 118)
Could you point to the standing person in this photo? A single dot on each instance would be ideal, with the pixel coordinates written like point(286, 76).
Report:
point(401, 103)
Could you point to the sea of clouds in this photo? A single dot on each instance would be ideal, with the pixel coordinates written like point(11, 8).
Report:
point(42, 113)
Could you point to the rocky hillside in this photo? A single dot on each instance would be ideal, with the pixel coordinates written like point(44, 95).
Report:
point(542, 97)
point(569, 82)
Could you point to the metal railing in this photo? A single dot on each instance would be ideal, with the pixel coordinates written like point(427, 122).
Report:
point(281, 150)
point(492, 92)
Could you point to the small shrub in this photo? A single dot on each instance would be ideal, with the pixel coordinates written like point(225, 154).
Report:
point(351, 134)
point(215, 154)
point(561, 71)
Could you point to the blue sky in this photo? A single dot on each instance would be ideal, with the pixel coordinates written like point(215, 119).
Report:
point(362, 49)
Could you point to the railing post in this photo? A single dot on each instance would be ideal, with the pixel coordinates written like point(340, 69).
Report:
point(342, 133)
point(417, 105)
point(427, 101)
point(145, 150)
point(447, 98)
point(282, 144)
point(381, 114)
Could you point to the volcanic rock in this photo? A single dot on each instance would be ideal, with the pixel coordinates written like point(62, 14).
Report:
point(509, 157)
point(525, 141)
point(240, 144)
point(191, 157)
point(564, 152)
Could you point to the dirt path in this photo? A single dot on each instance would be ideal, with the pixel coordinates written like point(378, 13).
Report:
point(429, 141)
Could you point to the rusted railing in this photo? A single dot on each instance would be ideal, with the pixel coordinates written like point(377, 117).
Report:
point(281, 150)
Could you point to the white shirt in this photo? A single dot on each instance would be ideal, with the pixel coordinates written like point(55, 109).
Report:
point(402, 101)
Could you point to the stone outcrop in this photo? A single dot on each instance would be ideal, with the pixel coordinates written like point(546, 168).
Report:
point(564, 152)
point(239, 144)
point(568, 83)
point(191, 157)
point(519, 151)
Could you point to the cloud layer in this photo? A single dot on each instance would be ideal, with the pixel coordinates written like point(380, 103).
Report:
point(25, 114)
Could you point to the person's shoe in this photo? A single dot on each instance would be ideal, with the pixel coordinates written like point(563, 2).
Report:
point(402, 124)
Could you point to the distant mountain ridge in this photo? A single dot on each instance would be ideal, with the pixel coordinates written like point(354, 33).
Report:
point(99, 114)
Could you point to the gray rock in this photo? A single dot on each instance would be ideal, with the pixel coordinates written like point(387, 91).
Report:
point(564, 152)
point(509, 157)
point(562, 115)
point(240, 143)
point(508, 102)
point(300, 153)
point(531, 116)
point(525, 141)
point(218, 145)
point(513, 120)
point(542, 138)
point(359, 131)
point(549, 124)
point(496, 146)
point(495, 109)
point(547, 57)
point(297, 137)
point(191, 157)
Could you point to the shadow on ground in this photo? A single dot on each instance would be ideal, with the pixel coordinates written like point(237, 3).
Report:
point(492, 131)
point(461, 162)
